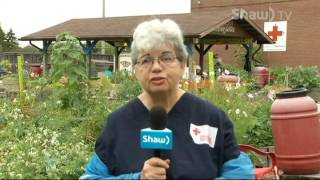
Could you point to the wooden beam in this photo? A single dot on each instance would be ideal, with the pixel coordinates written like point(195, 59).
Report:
point(207, 49)
point(226, 41)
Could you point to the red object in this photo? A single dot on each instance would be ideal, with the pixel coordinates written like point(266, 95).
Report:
point(36, 70)
point(296, 132)
point(262, 75)
point(260, 173)
point(275, 33)
point(191, 85)
point(229, 78)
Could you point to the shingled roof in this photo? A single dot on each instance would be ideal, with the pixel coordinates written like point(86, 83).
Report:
point(193, 25)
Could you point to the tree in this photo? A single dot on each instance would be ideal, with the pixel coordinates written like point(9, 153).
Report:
point(10, 42)
point(109, 50)
point(30, 48)
point(2, 38)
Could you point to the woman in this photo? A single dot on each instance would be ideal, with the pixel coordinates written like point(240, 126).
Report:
point(160, 58)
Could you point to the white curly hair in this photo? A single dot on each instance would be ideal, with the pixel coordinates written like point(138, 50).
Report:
point(154, 34)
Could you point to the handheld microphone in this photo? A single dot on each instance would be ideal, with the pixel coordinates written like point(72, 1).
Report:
point(158, 137)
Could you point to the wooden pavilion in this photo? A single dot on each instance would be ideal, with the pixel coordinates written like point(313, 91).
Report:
point(201, 30)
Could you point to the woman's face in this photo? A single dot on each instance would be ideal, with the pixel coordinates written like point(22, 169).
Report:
point(159, 70)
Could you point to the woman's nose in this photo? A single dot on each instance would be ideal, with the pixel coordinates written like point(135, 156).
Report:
point(156, 66)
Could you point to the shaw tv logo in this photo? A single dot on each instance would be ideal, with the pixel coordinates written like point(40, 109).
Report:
point(156, 139)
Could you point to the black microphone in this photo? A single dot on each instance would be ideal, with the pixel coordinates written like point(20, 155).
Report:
point(158, 121)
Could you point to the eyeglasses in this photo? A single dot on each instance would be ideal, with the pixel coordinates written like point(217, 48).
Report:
point(164, 59)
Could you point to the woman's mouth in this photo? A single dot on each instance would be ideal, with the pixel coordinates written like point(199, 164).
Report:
point(157, 80)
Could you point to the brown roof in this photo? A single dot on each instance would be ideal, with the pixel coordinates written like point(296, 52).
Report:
point(193, 25)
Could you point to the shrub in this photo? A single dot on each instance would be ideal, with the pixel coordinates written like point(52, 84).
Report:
point(308, 77)
point(237, 103)
point(128, 85)
point(260, 133)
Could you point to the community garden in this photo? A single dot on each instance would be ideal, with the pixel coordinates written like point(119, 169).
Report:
point(48, 129)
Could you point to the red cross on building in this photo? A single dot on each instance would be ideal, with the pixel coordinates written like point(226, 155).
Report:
point(275, 33)
point(196, 131)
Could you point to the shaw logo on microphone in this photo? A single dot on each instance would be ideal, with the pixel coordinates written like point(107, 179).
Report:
point(156, 139)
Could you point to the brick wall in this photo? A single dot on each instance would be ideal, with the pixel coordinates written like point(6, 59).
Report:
point(303, 33)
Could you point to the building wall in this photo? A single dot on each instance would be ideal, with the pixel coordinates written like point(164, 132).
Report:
point(303, 30)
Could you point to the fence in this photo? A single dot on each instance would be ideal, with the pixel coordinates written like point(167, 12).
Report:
point(100, 62)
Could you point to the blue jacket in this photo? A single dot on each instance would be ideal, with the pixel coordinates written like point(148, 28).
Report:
point(197, 153)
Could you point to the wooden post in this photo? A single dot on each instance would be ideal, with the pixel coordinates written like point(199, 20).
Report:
point(190, 59)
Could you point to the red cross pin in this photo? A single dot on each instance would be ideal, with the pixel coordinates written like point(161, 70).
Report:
point(196, 131)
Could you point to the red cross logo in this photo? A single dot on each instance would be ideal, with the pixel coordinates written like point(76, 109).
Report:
point(196, 131)
point(275, 33)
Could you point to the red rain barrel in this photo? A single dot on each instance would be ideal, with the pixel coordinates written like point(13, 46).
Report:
point(231, 78)
point(296, 132)
point(262, 75)
point(36, 70)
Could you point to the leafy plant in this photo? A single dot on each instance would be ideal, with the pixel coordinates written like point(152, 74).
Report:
point(235, 102)
point(69, 68)
point(240, 53)
point(295, 77)
point(128, 87)
point(260, 133)
point(50, 142)
point(5, 64)
point(308, 77)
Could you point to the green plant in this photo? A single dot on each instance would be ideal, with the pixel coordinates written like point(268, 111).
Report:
point(41, 153)
point(128, 87)
point(308, 77)
point(260, 133)
point(295, 77)
point(5, 64)
point(235, 102)
point(240, 53)
point(69, 68)
point(245, 77)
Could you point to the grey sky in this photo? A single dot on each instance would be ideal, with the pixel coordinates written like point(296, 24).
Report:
point(28, 16)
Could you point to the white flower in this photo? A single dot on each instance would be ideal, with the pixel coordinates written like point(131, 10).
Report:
point(226, 72)
point(11, 174)
point(245, 114)
point(271, 95)
point(37, 87)
point(250, 95)
point(237, 85)
point(227, 101)
point(32, 75)
point(45, 132)
point(228, 87)
point(237, 111)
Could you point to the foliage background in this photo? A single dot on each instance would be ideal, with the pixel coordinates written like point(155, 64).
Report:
point(51, 132)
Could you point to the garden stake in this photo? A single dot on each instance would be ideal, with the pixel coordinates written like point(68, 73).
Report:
point(20, 74)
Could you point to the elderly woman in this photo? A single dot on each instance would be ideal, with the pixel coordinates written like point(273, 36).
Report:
point(159, 56)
